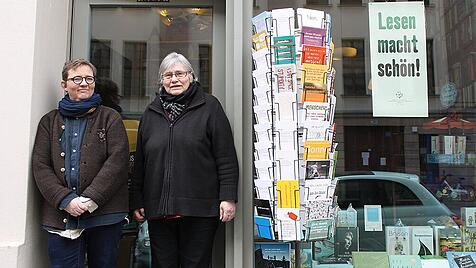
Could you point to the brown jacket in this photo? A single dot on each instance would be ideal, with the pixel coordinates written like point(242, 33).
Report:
point(104, 165)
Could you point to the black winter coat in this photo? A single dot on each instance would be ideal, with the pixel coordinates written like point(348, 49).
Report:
point(186, 167)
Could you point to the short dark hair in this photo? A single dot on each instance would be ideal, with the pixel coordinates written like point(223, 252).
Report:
point(73, 64)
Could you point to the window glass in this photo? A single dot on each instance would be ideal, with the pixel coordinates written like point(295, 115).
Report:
point(127, 47)
point(353, 69)
point(429, 163)
point(128, 44)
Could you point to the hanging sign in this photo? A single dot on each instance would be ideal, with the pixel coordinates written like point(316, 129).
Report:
point(398, 59)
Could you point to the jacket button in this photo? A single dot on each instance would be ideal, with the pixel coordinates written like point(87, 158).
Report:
point(62, 127)
point(65, 220)
point(74, 188)
point(62, 169)
point(62, 153)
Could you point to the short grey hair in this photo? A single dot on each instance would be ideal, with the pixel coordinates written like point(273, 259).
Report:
point(172, 59)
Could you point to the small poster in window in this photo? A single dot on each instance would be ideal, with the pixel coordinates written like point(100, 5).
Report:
point(373, 218)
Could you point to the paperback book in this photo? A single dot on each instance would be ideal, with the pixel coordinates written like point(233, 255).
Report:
point(346, 241)
point(370, 259)
point(422, 240)
point(398, 240)
point(404, 261)
point(447, 239)
point(458, 259)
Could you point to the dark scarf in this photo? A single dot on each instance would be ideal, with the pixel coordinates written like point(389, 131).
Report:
point(70, 108)
point(174, 105)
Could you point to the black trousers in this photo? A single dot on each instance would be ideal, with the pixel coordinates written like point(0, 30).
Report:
point(184, 242)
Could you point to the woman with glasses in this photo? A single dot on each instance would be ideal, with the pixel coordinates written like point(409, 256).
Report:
point(80, 162)
point(186, 170)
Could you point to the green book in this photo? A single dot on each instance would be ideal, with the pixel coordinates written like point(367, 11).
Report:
point(370, 259)
point(404, 261)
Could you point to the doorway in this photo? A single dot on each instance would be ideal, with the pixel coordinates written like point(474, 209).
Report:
point(126, 40)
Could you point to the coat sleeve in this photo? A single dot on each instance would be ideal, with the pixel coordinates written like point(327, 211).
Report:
point(136, 194)
point(51, 187)
point(113, 173)
point(225, 155)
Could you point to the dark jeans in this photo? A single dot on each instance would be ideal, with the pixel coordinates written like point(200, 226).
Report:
point(100, 243)
point(185, 242)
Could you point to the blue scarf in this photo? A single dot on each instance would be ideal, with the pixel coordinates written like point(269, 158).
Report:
point(70, 108)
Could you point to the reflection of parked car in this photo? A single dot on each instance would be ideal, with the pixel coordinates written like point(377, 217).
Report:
point(142, 250)
point(401, 197)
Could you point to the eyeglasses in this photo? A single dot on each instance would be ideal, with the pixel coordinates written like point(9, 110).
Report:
point(178, 74)
point(79, 79)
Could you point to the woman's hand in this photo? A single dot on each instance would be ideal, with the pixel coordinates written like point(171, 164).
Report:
point(139, 214)
point(227, 210)
point(75, 208)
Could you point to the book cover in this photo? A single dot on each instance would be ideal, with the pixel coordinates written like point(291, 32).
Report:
point(397, 240)
point(422, 240)
point(323, 249)
point(272, 255)
point(447, 239)
point(458, 259)
point(370, 259)
point(373, 218)
point(434, 263)
point(346, 241)
point(404, 261)
point(469, 239)
point(468, 216)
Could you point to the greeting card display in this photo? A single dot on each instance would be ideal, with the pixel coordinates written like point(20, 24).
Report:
point(293, 115)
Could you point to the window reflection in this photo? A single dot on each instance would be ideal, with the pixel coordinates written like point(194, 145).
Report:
point(128, 44)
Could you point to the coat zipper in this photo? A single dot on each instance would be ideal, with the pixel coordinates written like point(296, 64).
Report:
point(169, 164)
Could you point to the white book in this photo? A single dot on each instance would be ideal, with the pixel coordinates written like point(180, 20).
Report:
point(422, 240)
point(397, 240)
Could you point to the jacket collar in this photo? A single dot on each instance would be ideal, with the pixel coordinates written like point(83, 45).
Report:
point(197, 100)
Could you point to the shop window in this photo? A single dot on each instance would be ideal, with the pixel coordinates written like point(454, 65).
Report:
point(134, 68)
point(354, 69)
point(101, 57)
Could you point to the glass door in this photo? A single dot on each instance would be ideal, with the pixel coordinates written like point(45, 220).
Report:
point(126, 41)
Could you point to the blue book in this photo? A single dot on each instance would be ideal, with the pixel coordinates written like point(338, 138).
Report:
point(458, 259)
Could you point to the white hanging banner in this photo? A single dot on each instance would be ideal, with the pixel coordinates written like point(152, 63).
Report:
point(398, 59)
